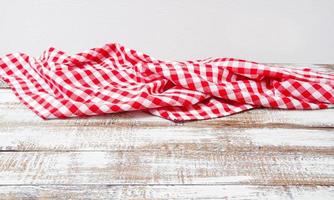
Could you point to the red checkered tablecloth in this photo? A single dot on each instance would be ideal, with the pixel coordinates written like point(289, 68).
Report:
point(114, 79)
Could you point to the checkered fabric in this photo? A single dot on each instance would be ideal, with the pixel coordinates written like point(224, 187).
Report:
point(114, 79)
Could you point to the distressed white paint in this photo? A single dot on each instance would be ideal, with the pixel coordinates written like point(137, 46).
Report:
point(266, 147)
point(113, 138)
point(167, 167)
point(290, 137)
point(171, 192)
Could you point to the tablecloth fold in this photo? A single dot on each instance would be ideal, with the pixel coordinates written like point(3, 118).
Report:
point(114, 79)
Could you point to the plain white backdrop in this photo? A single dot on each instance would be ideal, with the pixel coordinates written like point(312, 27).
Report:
point(300, 31)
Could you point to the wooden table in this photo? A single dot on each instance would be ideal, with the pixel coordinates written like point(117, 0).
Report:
point(257, 154)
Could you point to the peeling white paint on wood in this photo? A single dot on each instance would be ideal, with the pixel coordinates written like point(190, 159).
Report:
point(167, 192)
point(118, 138)
point(258, 154)
point(167, 167)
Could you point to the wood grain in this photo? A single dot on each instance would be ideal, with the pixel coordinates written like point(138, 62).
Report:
point(115, 138)
point(258, 154)
point(167, 167)
point(166, 192)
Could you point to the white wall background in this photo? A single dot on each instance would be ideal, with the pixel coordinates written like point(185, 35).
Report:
point(299, 31)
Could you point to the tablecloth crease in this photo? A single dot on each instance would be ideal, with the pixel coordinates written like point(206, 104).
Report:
point(113, 78)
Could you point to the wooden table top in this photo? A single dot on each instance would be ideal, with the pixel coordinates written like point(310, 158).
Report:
point(258, 154)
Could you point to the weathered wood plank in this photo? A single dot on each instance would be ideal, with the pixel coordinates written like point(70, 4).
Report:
point(267, 147)
point(167, 192)
point(13, 113)
point(87, 138)
point(167, 167)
